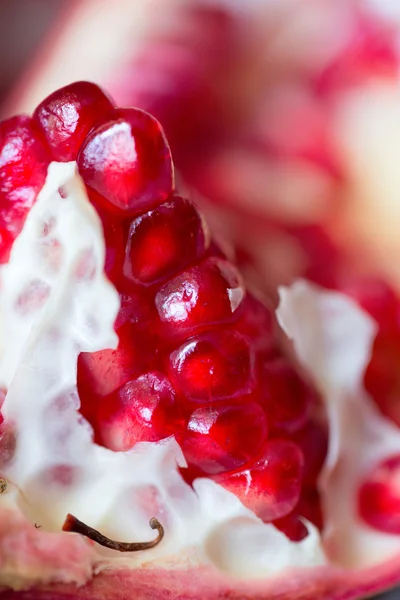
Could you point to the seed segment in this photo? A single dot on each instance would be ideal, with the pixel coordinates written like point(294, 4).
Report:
point(127, 160)
point(163, 241)
point(66, 117)
point(197, 356)
point(379, 497)
point(200, 298)
point(271, 484)
point(24, 158)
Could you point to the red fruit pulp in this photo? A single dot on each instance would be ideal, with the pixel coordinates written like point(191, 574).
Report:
point(220, 438)
point(197, 356)
point(67, 116)
point(24, 158)
point(140, 411)
point(162, 241)
point(213, 366)
point(199, 298)
point(271, 484)
point(127, 160)
point(379, 497)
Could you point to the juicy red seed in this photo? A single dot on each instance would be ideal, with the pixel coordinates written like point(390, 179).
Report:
point(378, 299)
point(206, 295)
point(128, 161)
point(271, 485)
point(213, 366)
point(139, 411)
point(381, 378)
point(379, 497)
point(284, 395)
point(136, 307)
point(24, 159)
point(67, 116)
point(309, 506)
point(257, 322)
point(164, 240)
point(7, 239)
point(113, 238)
point(292, 527)
point(220, 438)
point(104, 371)
point(313, 441)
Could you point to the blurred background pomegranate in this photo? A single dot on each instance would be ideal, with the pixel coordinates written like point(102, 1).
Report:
point(284, 120)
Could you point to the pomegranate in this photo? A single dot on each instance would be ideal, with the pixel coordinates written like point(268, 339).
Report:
point(295, 117)
point(154, 394)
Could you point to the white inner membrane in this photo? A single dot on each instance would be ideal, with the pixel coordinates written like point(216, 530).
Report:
point(56, 302)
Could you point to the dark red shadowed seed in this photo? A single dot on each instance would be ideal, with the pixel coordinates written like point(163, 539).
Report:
point(284, 396)
point(164, 240)
point(379, 497)
point(292, 527)
point(209, 294)
point(136, 307)
point(142, 410)
point(104, 371)
point(113, 238)
point(213, 366)
point(24, 158)
point(68, 114)
point(257, 321)
point(271, 484)
point(381, 378)
point(222, 437)
point(309, 506)
point(128, 161)
point(313, 441)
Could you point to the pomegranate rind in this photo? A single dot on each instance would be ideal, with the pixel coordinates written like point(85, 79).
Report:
point(194, 583)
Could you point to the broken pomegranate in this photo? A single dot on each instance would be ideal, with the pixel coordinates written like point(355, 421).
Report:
point(147, 386)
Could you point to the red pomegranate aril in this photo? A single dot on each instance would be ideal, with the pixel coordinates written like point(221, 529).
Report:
point(68, 114)
point(142, 410)
point(203, 296)
point(137, 308)
point(127, 160)
point(104, 371)
point(222, 437)
point(284, 395)
point(379, 497)
point(213, 366)
point(378, 299)
point(309, 506)
point(258, 323)
point(113, 238)
point(313, 441)
point(24, 159)
point(381, 377)
point(292, 526)
point(271, 485)
point(164, 240)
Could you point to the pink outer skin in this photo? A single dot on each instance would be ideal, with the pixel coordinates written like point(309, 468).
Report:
point(206, 583)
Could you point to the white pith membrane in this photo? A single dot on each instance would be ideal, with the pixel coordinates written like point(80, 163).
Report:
point(56, 302)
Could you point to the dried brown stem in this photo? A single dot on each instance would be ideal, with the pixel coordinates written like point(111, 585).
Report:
point(74, 525)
